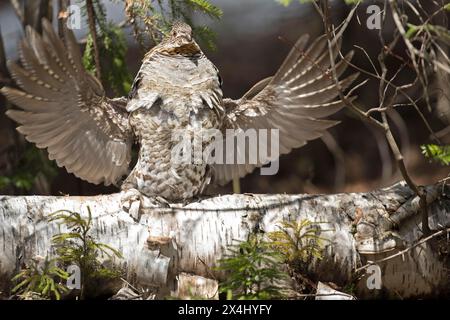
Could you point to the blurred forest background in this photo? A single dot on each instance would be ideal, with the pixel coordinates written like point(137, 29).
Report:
point(247, 41)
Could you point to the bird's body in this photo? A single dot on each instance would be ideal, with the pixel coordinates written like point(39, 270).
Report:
point(177, 92)
point(170, 97)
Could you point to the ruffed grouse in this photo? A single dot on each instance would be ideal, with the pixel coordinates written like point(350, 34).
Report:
point(66, 111)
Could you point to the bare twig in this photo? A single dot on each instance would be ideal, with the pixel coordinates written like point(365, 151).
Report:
point(62, 19)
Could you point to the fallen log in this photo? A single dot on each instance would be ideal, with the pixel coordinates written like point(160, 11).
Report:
point(166, 246)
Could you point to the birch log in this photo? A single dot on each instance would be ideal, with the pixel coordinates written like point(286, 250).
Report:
point(167, 244)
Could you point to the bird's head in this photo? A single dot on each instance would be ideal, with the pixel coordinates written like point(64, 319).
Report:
point(180, 41)
point(181, 32)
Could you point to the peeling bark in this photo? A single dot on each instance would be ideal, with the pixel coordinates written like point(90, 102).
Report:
point(171, 248)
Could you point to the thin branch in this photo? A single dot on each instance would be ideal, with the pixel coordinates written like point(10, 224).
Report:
point(398, 154)
point(93, 31)
point(400, 253)
point(344, 98)
point(62, 16)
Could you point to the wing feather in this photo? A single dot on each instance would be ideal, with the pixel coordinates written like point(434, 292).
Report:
point(293, 101)
point(65, 110)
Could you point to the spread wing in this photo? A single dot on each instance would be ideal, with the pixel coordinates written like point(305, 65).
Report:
point(294, 100)
point(64, 109)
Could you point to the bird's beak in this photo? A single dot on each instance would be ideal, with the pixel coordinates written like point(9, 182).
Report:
point(188, 37)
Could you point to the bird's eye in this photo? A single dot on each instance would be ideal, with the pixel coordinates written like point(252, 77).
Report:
point(174, 33)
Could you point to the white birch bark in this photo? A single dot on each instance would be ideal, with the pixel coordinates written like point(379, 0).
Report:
point(171, 243)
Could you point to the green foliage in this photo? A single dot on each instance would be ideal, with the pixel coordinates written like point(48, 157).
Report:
point(288, 2)
point(207, 36)
point(32, 163)
point(254, 266)
point(20, 180)
point(253, 269)
point(412, 30)
point(437, 153)
point(112, 50)
point(350, 288)
point(297, 241)
point(41, 277)
point(44, 277)
point(155, 18)
point(78, 247)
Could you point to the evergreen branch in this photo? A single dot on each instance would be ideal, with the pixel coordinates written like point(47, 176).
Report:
point(207, 7)
point(437, 153)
